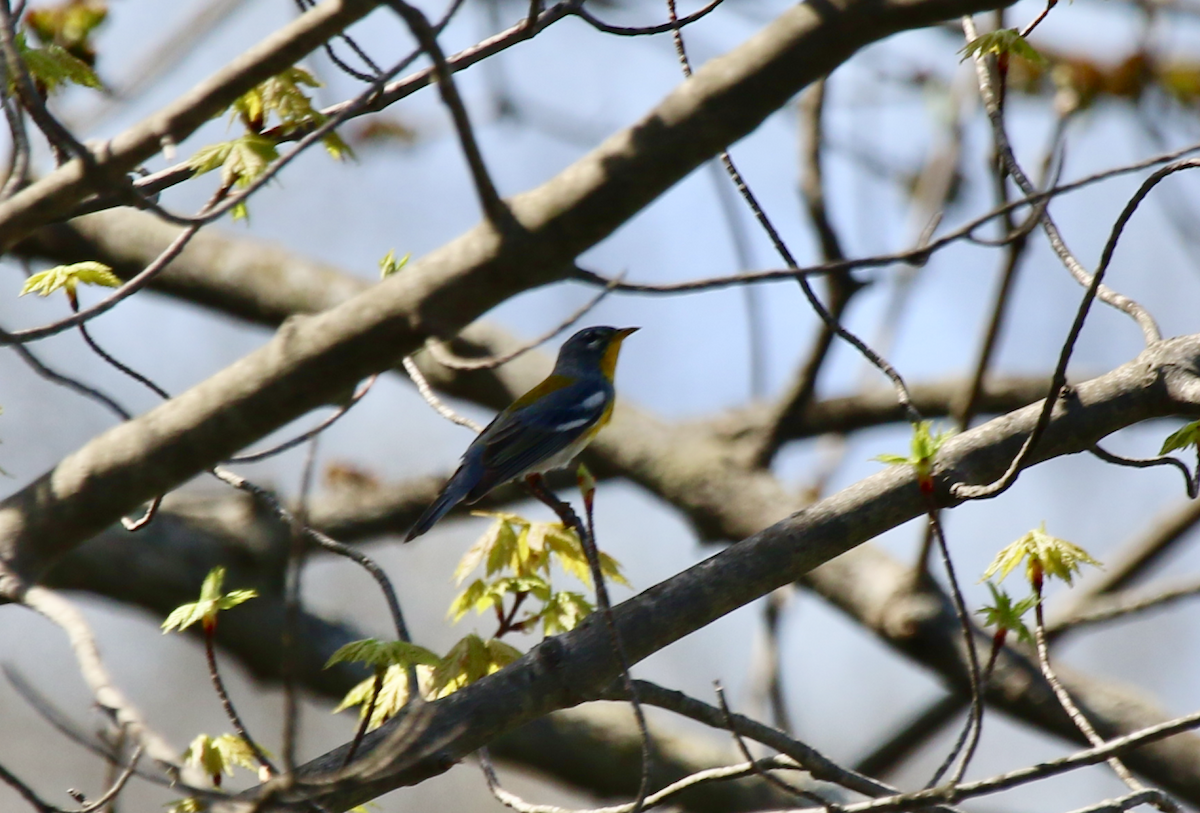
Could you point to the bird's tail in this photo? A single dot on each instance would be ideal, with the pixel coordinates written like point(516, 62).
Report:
point(452, 494)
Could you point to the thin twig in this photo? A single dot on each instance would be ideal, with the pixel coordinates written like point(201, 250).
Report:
point(271, 501)
point(964, 491)
point(235, 719)
point(292, 605)
point(365, 722)
point(1064, 698)
point(494, 208)
point(974, 728)
point(254, 457)
point(1021, 776)
point(743, 253)
point(674, 25)
point(418, 378)
point(992, 105)
point(83, 643)
point(587, 539)
point(511, 800)
point(1120, 605)
point(444, 356)
point(770, 779)
point(821, 767)
point(70, 383)
point(26, 792)
point(1189, 480)
point(116, 786)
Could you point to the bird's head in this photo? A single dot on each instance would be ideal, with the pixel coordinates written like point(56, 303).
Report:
point(592, 348)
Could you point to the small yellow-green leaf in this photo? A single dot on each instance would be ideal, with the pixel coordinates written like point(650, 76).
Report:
point(218, 755)
point(248, 158)
point(1041, 552)
point(393, 694)
point(924, 446)
point(191, 804)
point(206, 159)
point(67, 277)
point(337, 148)
point(1003, 41)
point(390, 265)
point(587, 483)
point(68, 24)
point(1004, 613)
point(466, 662)
point(1185, 436)
point(379, 654)
point(212, 601)
point(563, 612)
point(611, 569)
point(54, 66)
point(502, 552)
point(500, 655)
point(466, 600)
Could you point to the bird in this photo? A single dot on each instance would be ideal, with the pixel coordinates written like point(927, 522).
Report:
point(542, 430)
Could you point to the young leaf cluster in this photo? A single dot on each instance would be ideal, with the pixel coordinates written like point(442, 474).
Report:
point(68, 277)
point(245, 158)
point(1002, 42)
point(390, 265)
point(923, 447)
point(51, 66)
point(69, 24)
point(1042, 554)
point(217, 756)
point(1007, 615)
point(211, 602)
point(390, 661)
point(516, 555)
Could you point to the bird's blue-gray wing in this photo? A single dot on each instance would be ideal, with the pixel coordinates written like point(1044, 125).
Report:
point(524, 436)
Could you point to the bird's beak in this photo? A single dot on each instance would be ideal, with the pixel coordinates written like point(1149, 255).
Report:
point(625, 331)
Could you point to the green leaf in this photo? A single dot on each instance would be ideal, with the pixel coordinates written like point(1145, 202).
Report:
point(563, 612)
point(469, 660)
point(1187, 435)
point(219, 755)
point(466, 600)
point(1042, 553)
point(1007, 614)
point(67, 277)
point(209, 158)
point(241, 160)
point(54, 66)
point(212, 601)
point(1003, 41)
point(390, 265)
point(924, 446)
point(69, 24)
point(189, 805)
point(611, 569)
point(381, 654)
point(393, 694)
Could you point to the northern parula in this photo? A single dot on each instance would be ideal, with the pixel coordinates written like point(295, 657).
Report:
point(542, 430)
